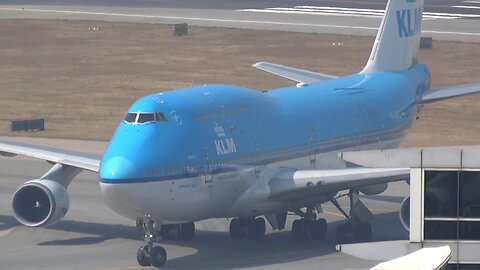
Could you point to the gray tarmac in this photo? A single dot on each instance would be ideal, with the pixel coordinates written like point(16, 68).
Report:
point(233, 14)
point(91, 236)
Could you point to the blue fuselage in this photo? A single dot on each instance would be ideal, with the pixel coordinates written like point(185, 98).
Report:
point(217, 128)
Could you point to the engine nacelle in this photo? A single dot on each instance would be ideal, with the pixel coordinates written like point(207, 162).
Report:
point(374, 189)
point(40, 203)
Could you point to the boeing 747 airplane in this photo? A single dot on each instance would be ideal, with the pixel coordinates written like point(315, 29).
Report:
point(215, 151)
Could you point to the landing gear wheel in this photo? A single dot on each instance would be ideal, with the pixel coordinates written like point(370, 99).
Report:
point(318, 228)
point(187, 231)
point(363, 233)
point(237, 228)
point(300, 229)
point(345, 233)
point(256, 228)
point(142, 257)
point(158, 256)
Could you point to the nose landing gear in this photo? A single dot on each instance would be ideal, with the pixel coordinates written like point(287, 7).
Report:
point(148, 254)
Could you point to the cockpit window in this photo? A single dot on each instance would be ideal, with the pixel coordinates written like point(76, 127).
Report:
point(160, 117)
point(144, 118)
point(131, 118)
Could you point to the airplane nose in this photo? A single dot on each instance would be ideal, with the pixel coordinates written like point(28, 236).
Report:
point(117, 169)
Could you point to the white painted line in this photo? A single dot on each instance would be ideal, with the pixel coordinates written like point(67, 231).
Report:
point(451, 33)
point(332, 11)
point(340, 8)
point(308, 13)
point(467, 7)
point(383, 11)
point(221, 20)
point(445, 16)
point(471, 2)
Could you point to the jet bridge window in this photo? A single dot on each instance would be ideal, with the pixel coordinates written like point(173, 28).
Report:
point(144, 118)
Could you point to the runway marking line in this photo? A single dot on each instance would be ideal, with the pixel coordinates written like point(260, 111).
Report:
point(223, 20)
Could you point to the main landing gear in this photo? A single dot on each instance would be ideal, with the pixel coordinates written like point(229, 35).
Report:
point(254, 228)
point(357, 229)
point(309, 226)
point(148, 254)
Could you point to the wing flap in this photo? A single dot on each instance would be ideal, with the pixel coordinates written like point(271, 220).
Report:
point(292, 185)
point(450, 92)
point(76, 159)
point(294, 74)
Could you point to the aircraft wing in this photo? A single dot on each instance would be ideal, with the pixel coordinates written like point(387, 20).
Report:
point(450, 92)
point(75, 159)
point(297, 184)
point(294, 74)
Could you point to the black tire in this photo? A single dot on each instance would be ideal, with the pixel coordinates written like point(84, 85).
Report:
point(300, 229)
point(237, 230)
point(363, 232)
point(345, 233)
point(158, 256)
point(142, 257)
point(256, 228)
point(318, 229)
point(187, 231)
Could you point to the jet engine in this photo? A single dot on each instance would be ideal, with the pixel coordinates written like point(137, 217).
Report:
point(40, 203)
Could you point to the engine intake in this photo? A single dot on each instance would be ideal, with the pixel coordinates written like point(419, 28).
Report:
point(40, 203)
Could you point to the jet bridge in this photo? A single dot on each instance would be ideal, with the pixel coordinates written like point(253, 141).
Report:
point(443, 207)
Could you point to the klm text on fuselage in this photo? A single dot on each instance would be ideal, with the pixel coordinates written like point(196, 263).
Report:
point(409, 22)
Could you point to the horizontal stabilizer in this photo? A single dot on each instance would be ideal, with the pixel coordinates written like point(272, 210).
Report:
point(450, 92)
point(294, 74)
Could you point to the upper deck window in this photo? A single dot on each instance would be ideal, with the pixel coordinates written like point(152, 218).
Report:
point(144, 118)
